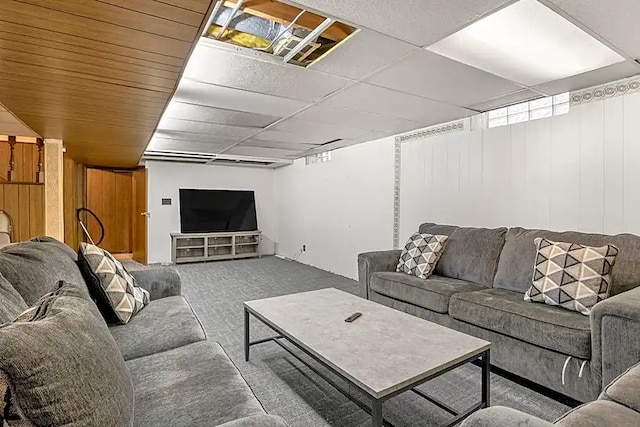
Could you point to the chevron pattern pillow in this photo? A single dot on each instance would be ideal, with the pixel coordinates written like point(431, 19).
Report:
point(572, 276)
point(420, 254)
point(110, 284)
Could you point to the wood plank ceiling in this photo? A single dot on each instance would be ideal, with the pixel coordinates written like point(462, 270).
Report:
point(96, 74)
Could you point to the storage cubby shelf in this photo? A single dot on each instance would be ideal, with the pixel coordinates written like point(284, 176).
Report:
point(200, 247)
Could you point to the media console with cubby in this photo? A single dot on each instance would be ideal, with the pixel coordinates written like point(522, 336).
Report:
point(197, 247)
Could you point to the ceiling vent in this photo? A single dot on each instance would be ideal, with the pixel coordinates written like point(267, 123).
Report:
point(214, 159)
point(330, 142)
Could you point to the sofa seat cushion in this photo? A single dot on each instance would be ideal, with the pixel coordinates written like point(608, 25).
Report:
point(624, 389)
point(506, 312)
point(163, 324)
point(195, 385)
point(600, 413)
point(433, 293)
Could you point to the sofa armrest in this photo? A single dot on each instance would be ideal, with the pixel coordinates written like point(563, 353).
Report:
point(371, 262)
point(263, 420)
point(499, 416)
point(615, 334)
point(160, 282)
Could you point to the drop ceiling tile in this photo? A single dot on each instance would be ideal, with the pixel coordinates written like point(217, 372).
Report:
point(352, 118)
point(317, 129)
point(218, 65)
point(16, 129)
point(615, 21)
point(501, 101)
point(199, 137)
point(180, 145)
point(193, 92)
point(179, 110)
point(280, 145)
point(182, 125)
point(591, 78)
point(279, 136)
point(435, 77)
point(241, 150)
point(376, 99)
point(353, 58)
point(420, 22)
point(7, 117)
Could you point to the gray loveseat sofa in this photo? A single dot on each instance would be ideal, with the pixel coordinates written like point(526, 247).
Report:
point(478, 288)
point(618, 405)
point(179, 377)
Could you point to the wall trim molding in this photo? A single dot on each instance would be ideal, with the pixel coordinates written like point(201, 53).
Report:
point(431, 131)
point(608, 90)
point(428, 132)
point(397, 172)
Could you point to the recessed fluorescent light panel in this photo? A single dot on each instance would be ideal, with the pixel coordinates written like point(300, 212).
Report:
point(527, 43)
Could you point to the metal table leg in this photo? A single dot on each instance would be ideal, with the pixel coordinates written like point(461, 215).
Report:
point(376, 413)
point(246, 335)
point(486, 379)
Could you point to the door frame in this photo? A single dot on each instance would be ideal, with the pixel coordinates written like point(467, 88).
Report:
point(140, 216)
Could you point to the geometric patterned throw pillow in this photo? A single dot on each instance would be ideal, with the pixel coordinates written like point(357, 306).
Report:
point(420, 254)
point(110, 284)
point(572, 276)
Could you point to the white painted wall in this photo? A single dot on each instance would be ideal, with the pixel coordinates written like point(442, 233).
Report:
point(579, 171)
point(337, 209)
point(166, 178)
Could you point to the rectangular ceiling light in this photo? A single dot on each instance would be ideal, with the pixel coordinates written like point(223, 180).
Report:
point(527, 43)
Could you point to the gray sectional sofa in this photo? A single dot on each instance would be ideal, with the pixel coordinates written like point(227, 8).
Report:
point(618, 405)
point(179, 377)
point(478, 288)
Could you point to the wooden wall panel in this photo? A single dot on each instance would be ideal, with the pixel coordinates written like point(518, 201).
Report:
point(25, 204)
point(74, 197)
point(26, 161)
point(109, 196)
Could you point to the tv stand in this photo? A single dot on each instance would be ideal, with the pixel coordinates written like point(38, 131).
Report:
point(198, 247)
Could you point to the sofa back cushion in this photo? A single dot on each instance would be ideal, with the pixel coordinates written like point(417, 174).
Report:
point(11, 303)
point(33, 267)
point(470, 253)
point(77, 377)
point(515, 270)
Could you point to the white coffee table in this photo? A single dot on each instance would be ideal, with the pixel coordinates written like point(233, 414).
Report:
point(383, 353)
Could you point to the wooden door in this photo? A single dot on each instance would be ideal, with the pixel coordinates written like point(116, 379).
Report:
point(109, 196)
point(140, 215)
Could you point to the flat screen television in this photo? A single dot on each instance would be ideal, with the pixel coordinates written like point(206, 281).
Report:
point(208, 211)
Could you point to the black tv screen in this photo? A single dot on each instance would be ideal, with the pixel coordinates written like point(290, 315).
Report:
point(207, 211)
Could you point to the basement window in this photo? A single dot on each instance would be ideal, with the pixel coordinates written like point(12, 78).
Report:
point(318, 158)
point(295, 35)
point(531, 110)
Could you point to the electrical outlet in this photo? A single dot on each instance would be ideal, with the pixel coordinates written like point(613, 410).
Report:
point(304, 248)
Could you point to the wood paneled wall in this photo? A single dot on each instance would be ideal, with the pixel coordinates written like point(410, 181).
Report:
point(26, 161)
point(22, 200)
point(25, 204)
point(74, 190)
point(109, 196)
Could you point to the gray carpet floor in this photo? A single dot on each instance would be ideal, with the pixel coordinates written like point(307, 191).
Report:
point(286, 387)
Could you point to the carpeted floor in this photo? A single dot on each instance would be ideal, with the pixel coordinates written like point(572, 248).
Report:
point(289, 389)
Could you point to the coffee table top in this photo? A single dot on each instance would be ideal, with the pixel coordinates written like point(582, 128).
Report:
point(383, 351)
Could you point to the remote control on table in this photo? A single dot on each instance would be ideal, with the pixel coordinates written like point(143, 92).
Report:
point(353, 317)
